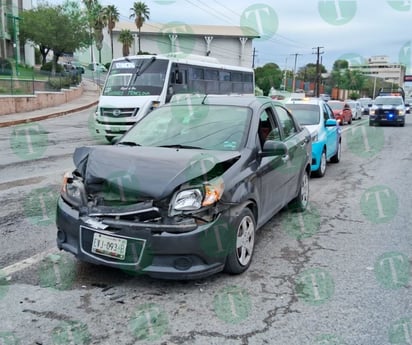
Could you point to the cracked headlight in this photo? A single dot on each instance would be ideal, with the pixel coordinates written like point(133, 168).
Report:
point(72, 190)
point(188, 200)
point(195, 198)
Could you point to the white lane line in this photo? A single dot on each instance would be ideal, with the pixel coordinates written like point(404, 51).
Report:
point(18, 266)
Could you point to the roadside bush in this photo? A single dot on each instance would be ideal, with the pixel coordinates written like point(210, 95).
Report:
point(49, 65)
point(6, 67)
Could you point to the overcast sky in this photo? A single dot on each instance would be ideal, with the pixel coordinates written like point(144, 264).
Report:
point(351, 29)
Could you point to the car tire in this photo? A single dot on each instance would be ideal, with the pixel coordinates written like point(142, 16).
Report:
point(240, 257)
point(337, 156)
point(320, 172)
point(300, 203)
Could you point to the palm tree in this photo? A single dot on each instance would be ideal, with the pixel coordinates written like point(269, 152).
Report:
point(126, 39)
point(112, 17)
point(99, 21)
point(140, 12)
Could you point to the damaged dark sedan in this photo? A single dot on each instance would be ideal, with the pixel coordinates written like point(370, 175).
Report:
point(182, 193)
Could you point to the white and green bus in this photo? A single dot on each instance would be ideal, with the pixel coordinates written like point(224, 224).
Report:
point(135, 85)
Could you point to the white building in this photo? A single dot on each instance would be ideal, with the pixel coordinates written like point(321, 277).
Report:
point(10, 45)
point(231, 45)
point(380, 67)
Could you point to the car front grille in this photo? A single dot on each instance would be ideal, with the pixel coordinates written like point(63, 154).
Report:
point(118, 112)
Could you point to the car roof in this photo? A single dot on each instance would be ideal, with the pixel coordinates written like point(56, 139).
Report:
point(315, 101)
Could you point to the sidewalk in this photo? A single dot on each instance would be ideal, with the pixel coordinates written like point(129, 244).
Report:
point(88, 99)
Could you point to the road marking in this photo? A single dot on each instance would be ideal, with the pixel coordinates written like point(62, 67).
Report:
point(21, 265)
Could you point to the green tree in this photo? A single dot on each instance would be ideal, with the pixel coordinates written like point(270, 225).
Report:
point(99, 20)
point(126, 39)
point(140, 13)
point(308, 72)
point(62, 29)
point(112, 17)
point(268, 76)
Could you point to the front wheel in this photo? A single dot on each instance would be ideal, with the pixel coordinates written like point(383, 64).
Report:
point(320, 172)
point(300, 203)
point(240, 258)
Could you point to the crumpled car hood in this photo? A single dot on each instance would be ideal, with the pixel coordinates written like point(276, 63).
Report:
point(149, 172)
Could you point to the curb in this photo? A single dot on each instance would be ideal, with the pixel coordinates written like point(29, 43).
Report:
point(47, 116)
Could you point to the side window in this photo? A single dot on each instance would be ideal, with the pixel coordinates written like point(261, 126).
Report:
point(286, 121)
point(268, 128)
point(327, 112)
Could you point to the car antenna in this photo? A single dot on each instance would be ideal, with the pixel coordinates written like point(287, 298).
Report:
point(204, 99)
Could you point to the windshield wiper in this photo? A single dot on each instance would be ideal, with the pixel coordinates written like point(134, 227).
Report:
point(179, 146)
point(128, 143)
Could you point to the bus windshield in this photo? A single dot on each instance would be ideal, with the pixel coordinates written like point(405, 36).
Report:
point(136, 77)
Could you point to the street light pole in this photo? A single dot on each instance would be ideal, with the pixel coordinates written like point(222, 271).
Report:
point(15, 45)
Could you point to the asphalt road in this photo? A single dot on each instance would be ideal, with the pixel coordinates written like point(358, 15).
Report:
point(337, 274)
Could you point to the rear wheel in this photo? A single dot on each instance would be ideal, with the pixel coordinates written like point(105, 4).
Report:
point(240, 258)
point(336, 157)
point(320, 172)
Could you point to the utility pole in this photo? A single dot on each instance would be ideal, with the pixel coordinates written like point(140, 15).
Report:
point(253, 57)
point(294, 72)
point(317, 82)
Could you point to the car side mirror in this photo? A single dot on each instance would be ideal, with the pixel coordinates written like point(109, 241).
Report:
point(331, 123)
point(274, 148)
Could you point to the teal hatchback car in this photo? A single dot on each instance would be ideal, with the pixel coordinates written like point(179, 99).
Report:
point(317, 117)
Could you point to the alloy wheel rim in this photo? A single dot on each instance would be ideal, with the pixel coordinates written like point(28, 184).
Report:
point(245, 240)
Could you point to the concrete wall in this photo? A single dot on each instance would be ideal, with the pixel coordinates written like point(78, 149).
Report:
point(40, 100)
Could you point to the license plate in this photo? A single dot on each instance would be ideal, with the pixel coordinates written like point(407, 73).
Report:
point(113, 247)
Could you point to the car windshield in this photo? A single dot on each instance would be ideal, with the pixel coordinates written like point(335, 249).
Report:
point(306, 114)
point(388, 101)
point(336, 105)
point(209, 127)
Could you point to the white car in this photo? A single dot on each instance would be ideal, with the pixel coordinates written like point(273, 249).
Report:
point(356, 108)
point(98, 67)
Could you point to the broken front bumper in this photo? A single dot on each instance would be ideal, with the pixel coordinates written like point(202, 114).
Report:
point(191, 250)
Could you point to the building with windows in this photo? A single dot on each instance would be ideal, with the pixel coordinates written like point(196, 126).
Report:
point(10, 45)
point(380, 67)
point(231, 45)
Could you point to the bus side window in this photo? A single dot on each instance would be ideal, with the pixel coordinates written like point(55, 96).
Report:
point(177, 77)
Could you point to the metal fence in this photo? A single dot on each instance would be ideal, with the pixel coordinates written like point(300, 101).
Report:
point(27, 83)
